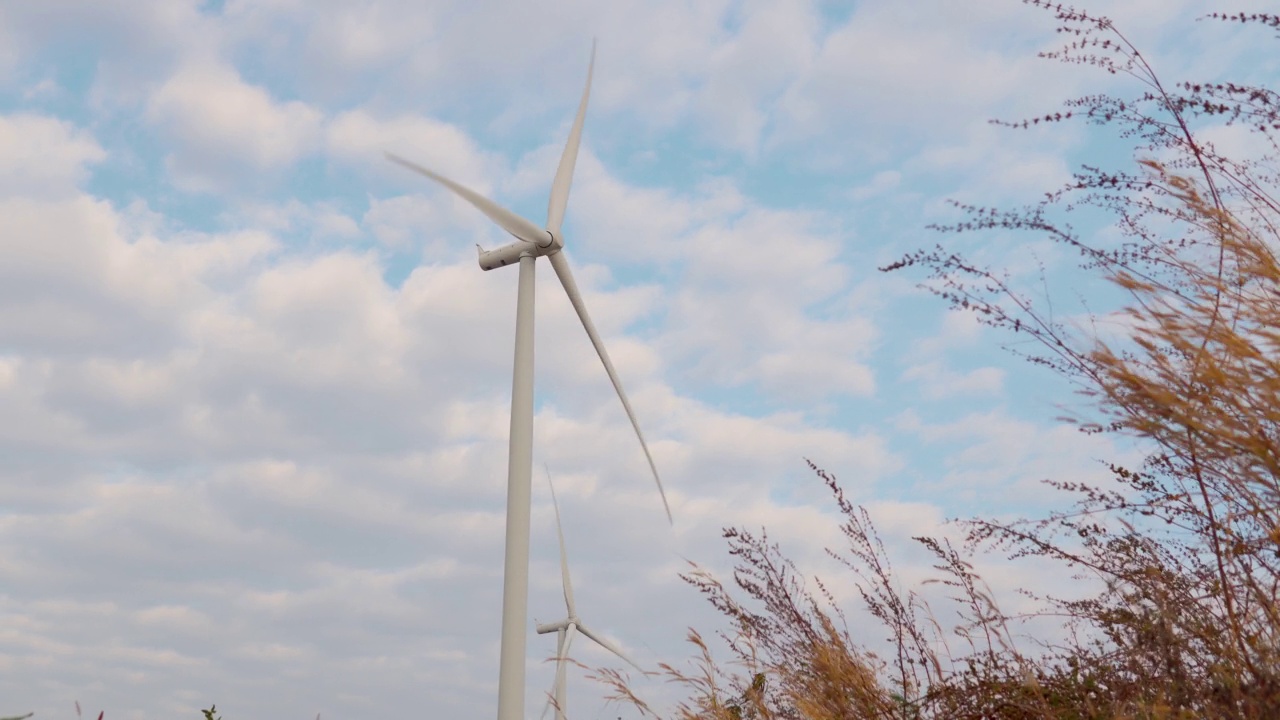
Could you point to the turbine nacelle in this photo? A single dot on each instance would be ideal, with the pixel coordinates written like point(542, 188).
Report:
point(512, 252)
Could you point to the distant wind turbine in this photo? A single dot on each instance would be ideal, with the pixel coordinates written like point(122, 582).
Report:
point(566, 628)
point(531, 243)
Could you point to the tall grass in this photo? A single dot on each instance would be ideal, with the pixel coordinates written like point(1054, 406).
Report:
point(1187, 545)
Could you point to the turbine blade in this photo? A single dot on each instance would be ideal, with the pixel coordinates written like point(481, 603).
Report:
point(547, 705)
point(564, 173)
point(564, 560)
point(609, 646)
point(555, 683)
point(562, 663)
point(554, 627)
point(519, 227)
point(570, 630)
point(561, 266)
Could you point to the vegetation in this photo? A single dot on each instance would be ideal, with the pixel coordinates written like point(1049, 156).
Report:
point(208, 714)
point(1186, 546)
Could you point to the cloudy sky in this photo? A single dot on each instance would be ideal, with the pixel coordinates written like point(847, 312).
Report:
point(254, 388)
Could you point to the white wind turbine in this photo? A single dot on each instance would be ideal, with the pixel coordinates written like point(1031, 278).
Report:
point(566, 628)
point(531, 242)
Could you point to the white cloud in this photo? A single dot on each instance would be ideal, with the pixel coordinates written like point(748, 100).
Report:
point(225, 131)
point(424, 57)
point(881, 70)
point(1002, 165)
point(880, 184)
point(750, 309)
point(317, 221)
point(79, 280)
point(133, 43)
point(937, 381)
point(619, 221)
point(329, 301)
point(411, 220)
point(43, 156)
point(45, 89)
point(998, 450)
point(773, 44)
point(359, 138)
point(958, 329)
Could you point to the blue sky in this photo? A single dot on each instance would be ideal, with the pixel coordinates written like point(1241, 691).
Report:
point(254, 388)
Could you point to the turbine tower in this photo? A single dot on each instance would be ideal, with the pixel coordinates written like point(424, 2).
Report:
point(531, 243)
point(566, 628)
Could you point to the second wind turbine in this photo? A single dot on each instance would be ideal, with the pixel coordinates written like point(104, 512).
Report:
point(531, 243)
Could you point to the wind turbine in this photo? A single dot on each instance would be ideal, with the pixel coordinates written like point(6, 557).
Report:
point(531, 243)
point(566, 628)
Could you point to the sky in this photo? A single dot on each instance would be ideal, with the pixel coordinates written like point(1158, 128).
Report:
point(254, 388)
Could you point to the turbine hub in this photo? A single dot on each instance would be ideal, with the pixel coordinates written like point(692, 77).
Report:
point(556, 244)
